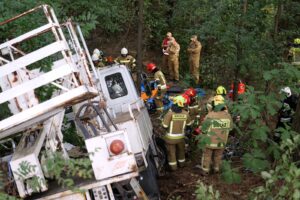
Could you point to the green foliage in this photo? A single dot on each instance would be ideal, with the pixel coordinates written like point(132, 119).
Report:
point(229, 175)
point(283, 182)
point(206, 192)
point(64, 170)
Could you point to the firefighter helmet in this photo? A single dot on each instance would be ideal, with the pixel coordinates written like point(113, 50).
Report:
point(95, 57)
point(124, 51)
point(191, 92)
point(287, 91)
point(297, 41)
point(96, 51)
point(151, 67)
point(179, 101)
point(187, 99)
point(221, 90)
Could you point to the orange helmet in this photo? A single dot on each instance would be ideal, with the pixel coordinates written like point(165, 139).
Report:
point(191, 92)
point(151, 67)
point(187, 99)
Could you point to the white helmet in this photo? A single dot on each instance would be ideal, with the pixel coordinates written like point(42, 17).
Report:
point(124, 51)
point(95, 57)
point(97, 52)
point(287, 91)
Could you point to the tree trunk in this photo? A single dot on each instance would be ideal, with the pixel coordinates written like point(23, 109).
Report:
point(277, 18)
point(140, 42)
point(296, 120)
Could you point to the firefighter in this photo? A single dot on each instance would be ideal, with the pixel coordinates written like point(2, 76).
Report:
point(173, 63)
point(241, 89)
point(164, 47)
point(286, 112)
point(175, 121)
point(194, 50)
point(218, 123)
point(161, 83)
point(219, 98)
point(193, 104)
point(97, 61)
point(295, 51)
point(129, 61)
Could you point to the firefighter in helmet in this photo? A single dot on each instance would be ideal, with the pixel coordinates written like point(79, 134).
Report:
point(97, 58)
point(192, 102)
point(218, 124)
point(126, 59)
point(295, 51)
point(286, 112)
point(129, 61)
point(219, 98)
point(161, 83)
point(175, 121)
point(194, 50)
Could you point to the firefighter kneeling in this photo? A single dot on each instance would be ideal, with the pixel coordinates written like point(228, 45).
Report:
point(218, 123)
point(176, 120)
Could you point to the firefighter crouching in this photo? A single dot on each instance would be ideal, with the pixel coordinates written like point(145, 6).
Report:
point(160, 80)
point(218, 123)
point(175, 122)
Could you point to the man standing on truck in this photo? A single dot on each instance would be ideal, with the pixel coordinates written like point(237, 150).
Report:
point(218, 124)
point(194, 50)
point(161, 83)
point(176, 121)
point(173, 60)
point(164, 46)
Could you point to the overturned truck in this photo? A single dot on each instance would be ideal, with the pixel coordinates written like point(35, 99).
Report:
point(39, 83)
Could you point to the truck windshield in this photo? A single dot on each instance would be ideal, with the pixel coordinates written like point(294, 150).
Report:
point(116, 85)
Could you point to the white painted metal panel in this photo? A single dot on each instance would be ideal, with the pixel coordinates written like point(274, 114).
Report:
point(106, 165)
point(27, 35)
point(35, 83)
point(33, 57)
point(71, 97)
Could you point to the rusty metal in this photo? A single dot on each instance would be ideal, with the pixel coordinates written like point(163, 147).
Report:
point(21, 15)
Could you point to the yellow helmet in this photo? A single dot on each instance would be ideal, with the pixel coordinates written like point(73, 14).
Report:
point(297, 41)
point(218, 99)
point(179, 101)
point(221, 90)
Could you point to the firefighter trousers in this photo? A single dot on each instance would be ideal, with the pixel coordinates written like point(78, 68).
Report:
point(165, 67)
point(173, 64)
point(176, 152)
point(211, 156)
point(159, 100)
point(194, 68)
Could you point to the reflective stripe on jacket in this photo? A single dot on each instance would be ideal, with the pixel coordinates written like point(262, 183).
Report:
point(176, 122)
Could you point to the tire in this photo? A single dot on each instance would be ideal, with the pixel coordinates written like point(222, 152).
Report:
point(148, 179)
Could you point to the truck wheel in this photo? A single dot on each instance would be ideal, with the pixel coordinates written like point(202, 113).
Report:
point(148, 179)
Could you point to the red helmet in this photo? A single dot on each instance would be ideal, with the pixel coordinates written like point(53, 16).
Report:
point(151, 67)
point(191, 92)
point(187, 99)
